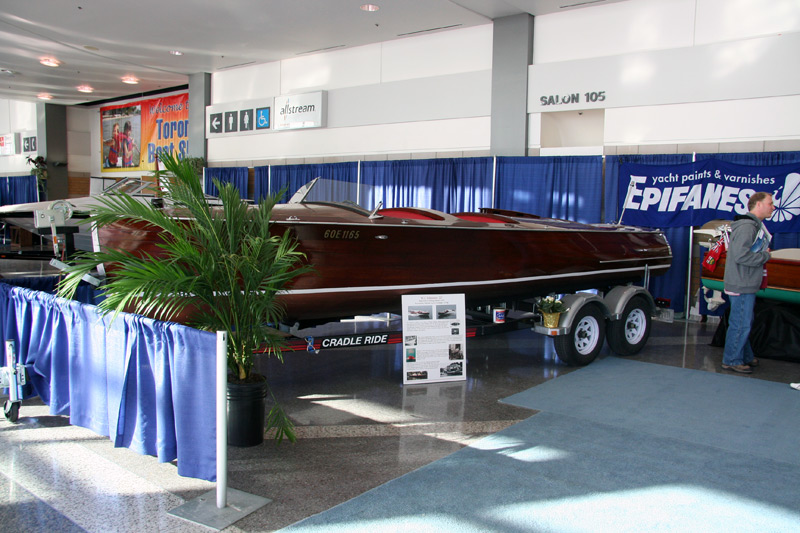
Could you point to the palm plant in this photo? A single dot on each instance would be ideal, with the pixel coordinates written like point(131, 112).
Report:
point(220, 263)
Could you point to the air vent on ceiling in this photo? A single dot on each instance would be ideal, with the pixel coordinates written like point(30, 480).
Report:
point(429, 30)
point(321, 49)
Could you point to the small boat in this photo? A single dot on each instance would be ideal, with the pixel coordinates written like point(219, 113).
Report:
point(783, 276)
point(366, 259)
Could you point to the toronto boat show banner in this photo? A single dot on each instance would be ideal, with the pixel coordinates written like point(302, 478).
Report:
point(691, 194)
point(134, 134)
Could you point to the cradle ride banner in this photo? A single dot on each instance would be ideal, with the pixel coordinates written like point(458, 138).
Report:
point(134, 134)
point(691, 194)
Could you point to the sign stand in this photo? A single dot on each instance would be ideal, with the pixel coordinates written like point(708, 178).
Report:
point(231, 505)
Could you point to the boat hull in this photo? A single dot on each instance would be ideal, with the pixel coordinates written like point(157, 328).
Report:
point(364, 265)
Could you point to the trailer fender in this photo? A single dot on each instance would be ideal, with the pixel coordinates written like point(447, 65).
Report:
point(575, 302)
point(618, 297)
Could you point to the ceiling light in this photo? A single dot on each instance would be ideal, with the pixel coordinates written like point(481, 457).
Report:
point(85, 89)
point(130, 80)
point(50, 62)
point(44, 96)
point(369, 7)
point(176, 52)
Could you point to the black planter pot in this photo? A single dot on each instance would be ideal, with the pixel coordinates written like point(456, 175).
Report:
point(246, 413)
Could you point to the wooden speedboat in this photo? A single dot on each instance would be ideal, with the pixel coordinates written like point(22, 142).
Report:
point(366, 260)
point(783, 276)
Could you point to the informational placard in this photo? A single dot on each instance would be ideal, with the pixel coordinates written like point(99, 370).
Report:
point(434, 338)
point(9, 143)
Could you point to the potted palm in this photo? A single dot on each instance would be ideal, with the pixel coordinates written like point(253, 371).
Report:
point(218, 266)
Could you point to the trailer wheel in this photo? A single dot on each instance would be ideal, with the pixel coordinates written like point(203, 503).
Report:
point(581, 345)
point(11, 410)
point(629, 334)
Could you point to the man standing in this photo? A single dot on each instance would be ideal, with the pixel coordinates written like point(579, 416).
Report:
point(744, 269)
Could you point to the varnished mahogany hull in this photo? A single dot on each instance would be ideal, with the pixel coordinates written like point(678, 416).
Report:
point(363, 265)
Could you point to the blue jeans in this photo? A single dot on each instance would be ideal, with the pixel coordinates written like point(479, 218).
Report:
point(737, 340)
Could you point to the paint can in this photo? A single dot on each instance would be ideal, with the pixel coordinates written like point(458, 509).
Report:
point(499, 316)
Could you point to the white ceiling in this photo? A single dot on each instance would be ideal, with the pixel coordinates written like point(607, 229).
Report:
point(101, 41)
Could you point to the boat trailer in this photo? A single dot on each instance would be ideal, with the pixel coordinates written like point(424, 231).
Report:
point(622, 317)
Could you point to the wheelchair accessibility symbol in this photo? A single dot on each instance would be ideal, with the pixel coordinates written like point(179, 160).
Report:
point(262, 118)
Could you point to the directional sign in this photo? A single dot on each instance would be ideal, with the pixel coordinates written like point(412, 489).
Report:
point(29, 144)
point(245, 117)
point(215, 123)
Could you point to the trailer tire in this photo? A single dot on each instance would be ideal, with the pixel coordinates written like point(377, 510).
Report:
point(585, 339)
point(11, 410)
point(629, 334)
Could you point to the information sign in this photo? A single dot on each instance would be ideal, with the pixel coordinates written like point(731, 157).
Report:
point(434, 338)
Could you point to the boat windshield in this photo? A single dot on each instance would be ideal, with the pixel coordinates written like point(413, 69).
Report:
point(347, 194)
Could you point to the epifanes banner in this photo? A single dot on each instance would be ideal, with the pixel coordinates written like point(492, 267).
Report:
point(134, 134)
point(691, 194)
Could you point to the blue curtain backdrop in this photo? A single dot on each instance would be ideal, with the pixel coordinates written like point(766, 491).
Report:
point(236, 175)
point(672, 284)
point(17, 190)
point(145, 384)
point(449, 185)
point(559, 187)
point(295, 176)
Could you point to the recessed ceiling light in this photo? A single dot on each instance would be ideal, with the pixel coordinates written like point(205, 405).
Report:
point(44, 96)
point(85, 89)
point(130, 80)
point(369, 7)
point(50, 62)
point(176, 52)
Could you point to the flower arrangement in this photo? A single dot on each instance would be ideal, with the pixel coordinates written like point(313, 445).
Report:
point(551, 304)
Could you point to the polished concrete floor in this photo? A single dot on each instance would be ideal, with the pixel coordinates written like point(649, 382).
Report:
point(357, 427)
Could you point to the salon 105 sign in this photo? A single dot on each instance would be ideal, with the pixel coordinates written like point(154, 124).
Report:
point(135, 134)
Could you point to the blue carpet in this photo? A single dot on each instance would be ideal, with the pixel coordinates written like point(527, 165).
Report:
point(620, 446)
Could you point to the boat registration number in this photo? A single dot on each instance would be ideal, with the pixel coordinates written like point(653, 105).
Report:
point(341, 234)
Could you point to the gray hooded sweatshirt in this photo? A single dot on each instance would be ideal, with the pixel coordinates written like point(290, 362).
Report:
point(744, 265)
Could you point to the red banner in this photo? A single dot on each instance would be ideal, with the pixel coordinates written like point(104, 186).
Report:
point(134, 134)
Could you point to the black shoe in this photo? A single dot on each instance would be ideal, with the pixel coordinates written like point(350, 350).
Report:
point(742, 369)
point(753, 363)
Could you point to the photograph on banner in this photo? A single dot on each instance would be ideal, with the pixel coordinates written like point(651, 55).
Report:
point(691, 194)
point(134, 134)
point(434, 338)
point(122, 136)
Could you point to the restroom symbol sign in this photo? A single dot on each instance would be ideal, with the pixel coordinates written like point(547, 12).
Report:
point(262, 118)
point(245, 120)
point(231, 121)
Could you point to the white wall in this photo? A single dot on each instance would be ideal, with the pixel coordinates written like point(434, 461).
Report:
point(15, 117)
point(675, 73)
point(424, 94)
